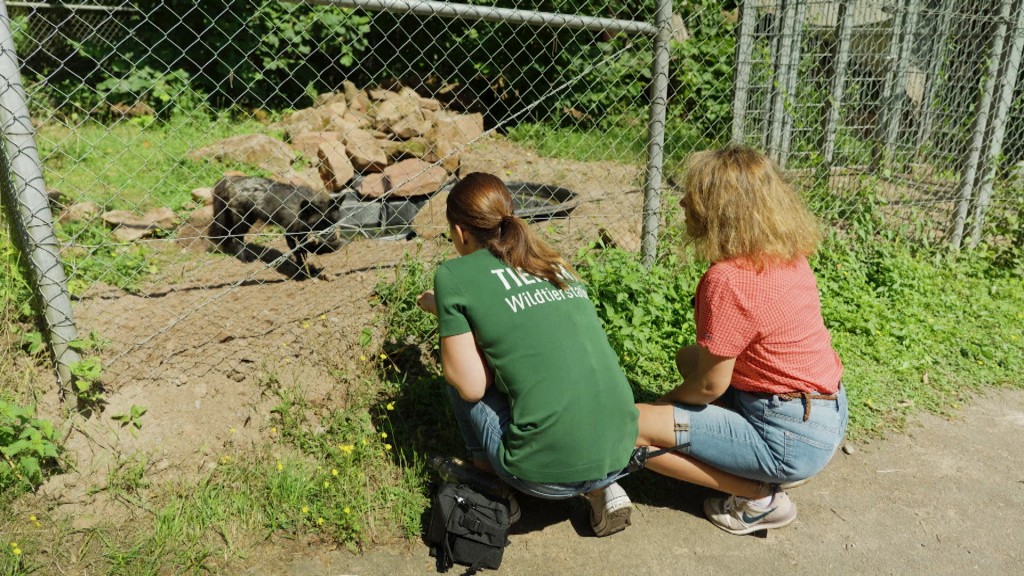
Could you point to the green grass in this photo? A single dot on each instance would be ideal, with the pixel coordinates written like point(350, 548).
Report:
point(621, 142)
point(134, 165)
point(916, 330)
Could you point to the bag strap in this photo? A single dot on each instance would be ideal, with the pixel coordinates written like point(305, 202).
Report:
point(638, 459)
point(445, 560)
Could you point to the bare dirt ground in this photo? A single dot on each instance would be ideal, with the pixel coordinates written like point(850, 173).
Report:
point(944, 498)
point(195, 344)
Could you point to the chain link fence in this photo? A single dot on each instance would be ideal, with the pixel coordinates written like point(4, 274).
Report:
point(139, 109)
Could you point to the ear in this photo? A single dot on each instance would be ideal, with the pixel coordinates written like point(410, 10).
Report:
point(462, 234)
point(308, 210)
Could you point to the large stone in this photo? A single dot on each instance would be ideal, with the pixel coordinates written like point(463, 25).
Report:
point(445, 153)
point(431, 221)
point(308, 177)
point(254, 149)
point(350, 89)
point(456, 128)
point(450, 136)
point(426, 103)
point(414, 178)
point(416, 124)
point(304, 120)
point(364, 151)
point(80, 212)
point(129, 226)
point(398, 150)
point(357, 119)
point(335, 167)
point(381, 94)
point(403, 116)
point(407, 178)
point(203, 195)
point(336, 118)
point(330, 98)
point(373, 186)
point(308, 143)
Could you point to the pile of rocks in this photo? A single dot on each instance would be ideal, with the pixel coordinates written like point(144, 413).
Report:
point(378, 142)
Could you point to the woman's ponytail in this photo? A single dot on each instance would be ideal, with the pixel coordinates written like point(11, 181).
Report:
point(483, 205)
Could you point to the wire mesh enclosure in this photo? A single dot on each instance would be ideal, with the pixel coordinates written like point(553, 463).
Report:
point(160, 126)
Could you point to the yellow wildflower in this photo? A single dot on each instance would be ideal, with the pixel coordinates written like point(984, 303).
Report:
point(334, 471)
point(280, 467)
point(305, 509)
point(362, 358)
point(346, 448)
point(327, 484)
point(391, 406)
point(347, 510)
point(273, 429)
point(16, 551)
point(323, 316)
point(383, 356)
point(383, 435)
point(387, 446)
point(320, 521)
point(305, 324)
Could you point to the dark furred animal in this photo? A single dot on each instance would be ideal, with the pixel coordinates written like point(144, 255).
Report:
point(304, 214)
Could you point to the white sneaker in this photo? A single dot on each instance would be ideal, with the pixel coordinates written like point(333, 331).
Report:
point(739, 516)
point(609, 510)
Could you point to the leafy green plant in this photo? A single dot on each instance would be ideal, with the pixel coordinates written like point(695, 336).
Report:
point(29, 447)
point(165, 92)
point(88, 370)
point(647, 313)
point(131, 418)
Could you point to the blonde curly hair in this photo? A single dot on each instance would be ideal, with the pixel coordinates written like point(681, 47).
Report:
point(739, 207)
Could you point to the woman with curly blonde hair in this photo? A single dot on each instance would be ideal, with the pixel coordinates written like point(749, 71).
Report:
point(761, 406)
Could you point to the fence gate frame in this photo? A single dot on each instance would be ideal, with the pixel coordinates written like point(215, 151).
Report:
point(25, 200)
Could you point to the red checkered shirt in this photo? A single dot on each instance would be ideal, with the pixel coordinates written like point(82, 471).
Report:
point(770, 321)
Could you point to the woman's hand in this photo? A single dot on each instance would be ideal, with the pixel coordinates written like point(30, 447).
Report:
point(427, 302)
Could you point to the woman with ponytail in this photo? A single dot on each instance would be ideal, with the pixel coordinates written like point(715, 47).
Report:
point(535, 387)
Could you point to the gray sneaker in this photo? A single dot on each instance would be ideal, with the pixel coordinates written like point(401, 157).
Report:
point(514, 512)
point(737, 516)
point(609, 510)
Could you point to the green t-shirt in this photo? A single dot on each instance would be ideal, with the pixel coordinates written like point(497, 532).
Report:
point(573, 417)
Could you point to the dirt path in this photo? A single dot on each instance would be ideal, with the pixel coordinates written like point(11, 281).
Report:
point(944, 498)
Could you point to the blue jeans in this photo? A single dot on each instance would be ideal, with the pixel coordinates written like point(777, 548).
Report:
point(483, 425)
point(761, 436)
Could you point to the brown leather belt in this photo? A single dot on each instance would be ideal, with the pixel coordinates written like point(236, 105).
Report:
point(807, 397)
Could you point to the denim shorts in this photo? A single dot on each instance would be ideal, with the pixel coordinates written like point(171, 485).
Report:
point(483, 424)
point(761, 436)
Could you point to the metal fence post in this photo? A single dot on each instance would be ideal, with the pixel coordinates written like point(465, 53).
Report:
point(744, 53)
point(780, 79)
point(897, 92)
point(835, 101)
point(1008, 83)
point(656, 134)
point(30, 213)
point(795, 52)
point(980, 126)
point(936, 58)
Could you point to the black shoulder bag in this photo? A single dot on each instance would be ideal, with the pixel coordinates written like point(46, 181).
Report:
point(467, 527)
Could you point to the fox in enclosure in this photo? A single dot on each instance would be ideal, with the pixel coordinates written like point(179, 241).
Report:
point(308, 217)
